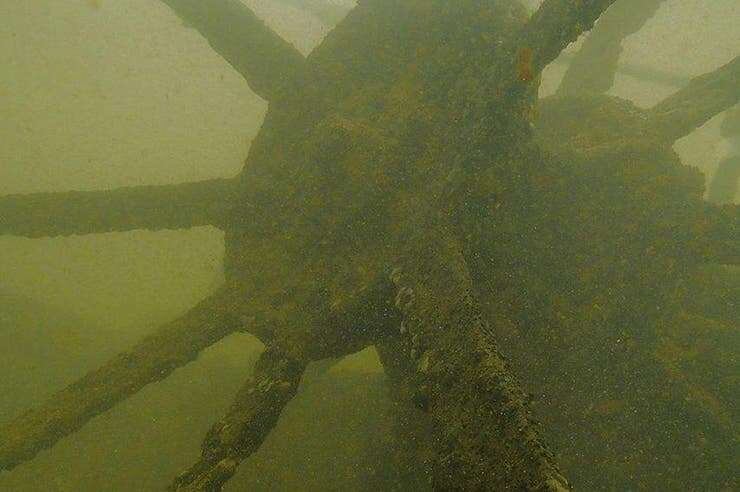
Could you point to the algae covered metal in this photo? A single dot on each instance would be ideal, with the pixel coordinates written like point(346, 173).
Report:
point(408, 190)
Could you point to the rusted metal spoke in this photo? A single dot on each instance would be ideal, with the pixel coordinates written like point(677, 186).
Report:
point(447, 363)
point(595, 65)
point(555, 25)
point(153, 359)
point(179, 206)
point(706, 96)
point(247, 423)
point(266, 61)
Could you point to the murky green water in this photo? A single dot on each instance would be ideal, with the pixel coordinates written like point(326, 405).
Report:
point(103, 94)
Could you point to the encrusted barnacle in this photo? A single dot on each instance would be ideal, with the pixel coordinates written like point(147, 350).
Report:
point(265, 384)
point(416, 341)
point(425, 361)
point(395, 275)
point(404, 298)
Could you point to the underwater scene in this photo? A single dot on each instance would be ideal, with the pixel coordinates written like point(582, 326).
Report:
point(369, 245)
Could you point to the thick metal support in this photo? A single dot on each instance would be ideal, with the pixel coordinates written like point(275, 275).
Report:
point(179, 206)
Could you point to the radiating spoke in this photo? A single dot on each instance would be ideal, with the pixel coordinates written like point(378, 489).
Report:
point(178, 206)
point(263, 58)
point(555, 25)
point(251, 417)
point(705, 97)
point(153, 359)
point(447, 363)
point(595, 65)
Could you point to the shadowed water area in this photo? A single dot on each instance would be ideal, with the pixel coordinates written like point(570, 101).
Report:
point(455, 259)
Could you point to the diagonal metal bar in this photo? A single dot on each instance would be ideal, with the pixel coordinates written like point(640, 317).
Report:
point(702, 99)
point(447, 364)
point(250, 419)
point(555, 25)
point(266, 61)
point(593, 68)
point(153, 359)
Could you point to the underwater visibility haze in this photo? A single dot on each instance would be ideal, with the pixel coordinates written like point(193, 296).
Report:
point(384, 245)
